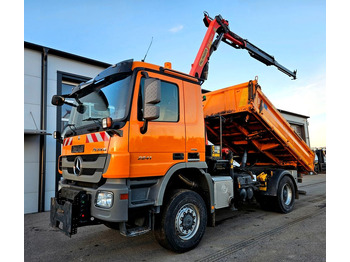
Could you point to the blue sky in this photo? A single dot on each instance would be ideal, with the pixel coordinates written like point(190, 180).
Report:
point(294, 32)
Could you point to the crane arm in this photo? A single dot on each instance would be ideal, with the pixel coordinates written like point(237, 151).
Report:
point(220, 26)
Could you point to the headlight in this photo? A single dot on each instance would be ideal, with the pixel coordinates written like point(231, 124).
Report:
point(104, 199)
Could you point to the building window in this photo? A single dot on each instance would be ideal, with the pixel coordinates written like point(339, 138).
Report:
point(66, 109)
point(65, 83)
point(299, 129)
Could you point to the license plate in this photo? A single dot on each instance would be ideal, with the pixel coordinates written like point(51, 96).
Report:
point(77, 149)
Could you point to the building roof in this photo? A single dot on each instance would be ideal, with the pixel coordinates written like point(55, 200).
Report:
point(291, 113)
point(65, 54)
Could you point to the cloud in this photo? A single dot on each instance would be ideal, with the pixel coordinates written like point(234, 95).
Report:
point(176, 29)
point(308, 99)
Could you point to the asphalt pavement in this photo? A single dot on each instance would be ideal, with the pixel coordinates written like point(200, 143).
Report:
point(250, 234)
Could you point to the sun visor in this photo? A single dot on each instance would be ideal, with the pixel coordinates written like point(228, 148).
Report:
point(122, 67)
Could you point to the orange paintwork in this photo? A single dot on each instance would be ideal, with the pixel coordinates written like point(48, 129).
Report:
point(226, 100)
point(120, 158)
point(151, 154)
point(195, 139)
point(256, 123)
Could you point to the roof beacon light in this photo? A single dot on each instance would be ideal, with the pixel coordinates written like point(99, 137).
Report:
point(167, 65)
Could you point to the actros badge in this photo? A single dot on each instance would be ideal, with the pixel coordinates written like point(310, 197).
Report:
point(145, 158)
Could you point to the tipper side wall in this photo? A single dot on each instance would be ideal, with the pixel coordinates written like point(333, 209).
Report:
point(249, 121)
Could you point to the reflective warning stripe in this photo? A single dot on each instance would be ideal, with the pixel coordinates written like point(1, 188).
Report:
point(68, 141)
point(90, 138)
point(97, 137)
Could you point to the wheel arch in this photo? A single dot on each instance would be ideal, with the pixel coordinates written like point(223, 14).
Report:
point(193, 172)
point(274, 181)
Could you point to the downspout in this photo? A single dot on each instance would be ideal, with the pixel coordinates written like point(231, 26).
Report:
point(43, 117)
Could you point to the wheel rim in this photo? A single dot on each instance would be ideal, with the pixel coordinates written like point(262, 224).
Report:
point(287, 194)
point(187, 221)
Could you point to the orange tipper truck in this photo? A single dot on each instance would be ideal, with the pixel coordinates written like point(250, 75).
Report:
point(147, 149)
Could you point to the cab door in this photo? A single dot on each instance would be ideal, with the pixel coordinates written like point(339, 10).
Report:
point(163, 145)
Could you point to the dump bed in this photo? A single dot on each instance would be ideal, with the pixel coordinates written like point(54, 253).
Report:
point(249, 121)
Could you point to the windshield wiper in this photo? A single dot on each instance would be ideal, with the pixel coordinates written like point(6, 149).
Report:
point(92, 119)
point(71, 129)
point(97, 120)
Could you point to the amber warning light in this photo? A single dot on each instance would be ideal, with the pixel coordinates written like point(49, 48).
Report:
point(167, 65)
point(106, 122)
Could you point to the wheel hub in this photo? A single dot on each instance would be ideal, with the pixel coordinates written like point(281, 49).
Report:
point(287, 194)
point(187, 221)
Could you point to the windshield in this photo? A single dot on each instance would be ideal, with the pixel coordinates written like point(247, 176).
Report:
point(105, 100)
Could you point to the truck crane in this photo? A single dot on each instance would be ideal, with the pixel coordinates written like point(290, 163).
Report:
point(146, 149)
point(220, 26)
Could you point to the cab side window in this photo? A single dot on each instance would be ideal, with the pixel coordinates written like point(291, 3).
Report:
point(169, 103)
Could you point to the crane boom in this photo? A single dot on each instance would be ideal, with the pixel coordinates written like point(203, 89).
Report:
point(220, 26)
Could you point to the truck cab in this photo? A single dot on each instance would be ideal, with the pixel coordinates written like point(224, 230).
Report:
point(122, 151)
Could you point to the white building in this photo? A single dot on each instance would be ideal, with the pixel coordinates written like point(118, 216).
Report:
point(48, 72)
point(299, 123)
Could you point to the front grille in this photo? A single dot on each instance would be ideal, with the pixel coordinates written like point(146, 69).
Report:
point(87, 158)
point(91, 166)
point(85, 171)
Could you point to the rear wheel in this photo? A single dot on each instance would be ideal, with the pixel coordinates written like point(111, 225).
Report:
point(181, 225)
point(266, 202)
point(285, 195)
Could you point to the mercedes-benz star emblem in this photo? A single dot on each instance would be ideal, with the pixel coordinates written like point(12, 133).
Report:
point(77, 168)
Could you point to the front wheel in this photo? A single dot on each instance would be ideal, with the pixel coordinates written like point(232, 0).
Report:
point(182, 223)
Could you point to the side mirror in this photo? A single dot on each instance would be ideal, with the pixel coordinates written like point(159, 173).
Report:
point(57, 100)
point(151, 94)
point(151, 98)
point(60, 100)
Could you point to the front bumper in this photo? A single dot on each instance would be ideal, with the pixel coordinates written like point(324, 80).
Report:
point(76, 206)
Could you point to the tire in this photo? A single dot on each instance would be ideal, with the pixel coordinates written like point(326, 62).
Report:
point(182, 223)
point(285, 195)
point(266, 202)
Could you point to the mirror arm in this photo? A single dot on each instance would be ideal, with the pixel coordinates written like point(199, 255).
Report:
point(144, 128)
point(78, 101)
point(70, 104)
